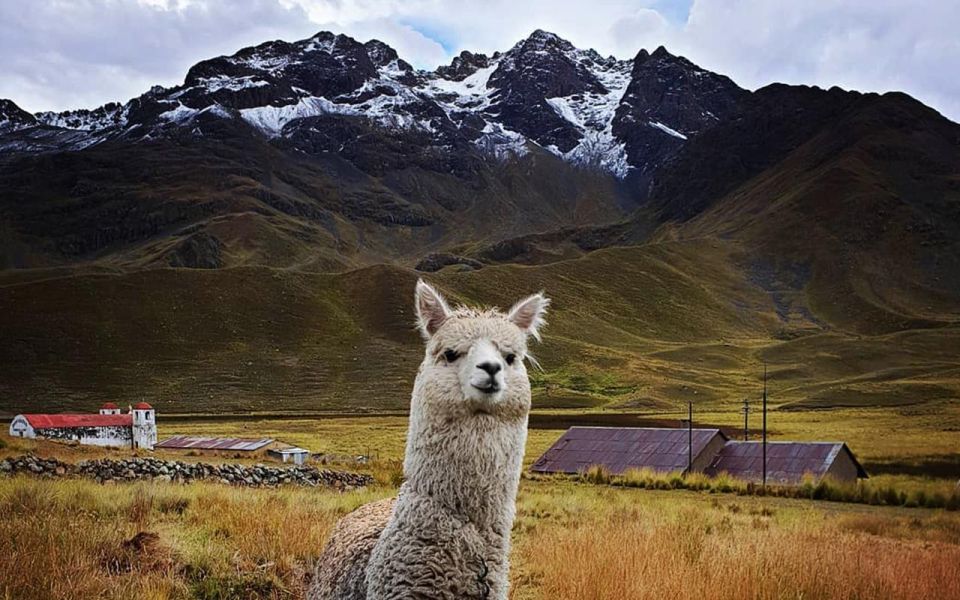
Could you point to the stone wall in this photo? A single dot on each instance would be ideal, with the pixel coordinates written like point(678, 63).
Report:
point(132, 469)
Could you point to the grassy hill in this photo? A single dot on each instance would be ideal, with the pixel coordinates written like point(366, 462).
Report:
point(632, 327)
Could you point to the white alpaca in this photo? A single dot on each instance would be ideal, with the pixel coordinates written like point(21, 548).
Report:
point(447, 535)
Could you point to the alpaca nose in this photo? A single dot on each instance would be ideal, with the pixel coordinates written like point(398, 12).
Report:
point(492, 368)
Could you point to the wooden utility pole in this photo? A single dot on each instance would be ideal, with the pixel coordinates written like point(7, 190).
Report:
point(764, 423)
point(746, 419)
point(689, 437)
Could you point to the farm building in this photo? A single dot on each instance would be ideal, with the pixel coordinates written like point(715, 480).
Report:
point(623, 448)
point(245, 447)
point(787, 462)
point(135, 429)
point(669, 450)
point(297, 456)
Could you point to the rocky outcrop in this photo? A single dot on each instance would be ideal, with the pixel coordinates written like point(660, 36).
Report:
point(438, 260)
point(668, 101)
point(147, 468)
point(199, 251)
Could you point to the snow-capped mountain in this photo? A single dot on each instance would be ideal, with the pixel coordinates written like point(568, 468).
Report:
point(620, 116)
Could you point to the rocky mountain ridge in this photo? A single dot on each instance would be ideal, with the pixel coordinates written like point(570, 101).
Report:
point(616, 115)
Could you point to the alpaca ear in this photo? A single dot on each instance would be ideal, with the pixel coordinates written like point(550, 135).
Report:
point(432, 309)
point(528, 314)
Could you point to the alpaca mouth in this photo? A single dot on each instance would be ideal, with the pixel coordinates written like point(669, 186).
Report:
point(491, 388)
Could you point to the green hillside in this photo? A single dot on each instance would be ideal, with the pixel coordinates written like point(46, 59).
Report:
point(631, 327)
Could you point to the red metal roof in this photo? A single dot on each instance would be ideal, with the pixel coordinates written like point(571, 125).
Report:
point(109, 406)
point(623, 448)
point(207, 443)
point(787, 462)
point(63, 421)
point(142, 406)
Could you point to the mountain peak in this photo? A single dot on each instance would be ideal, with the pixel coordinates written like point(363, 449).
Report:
point(540, 34)
point(660, 52)
point(382, 54)
point(542, 40)
point(14, 117)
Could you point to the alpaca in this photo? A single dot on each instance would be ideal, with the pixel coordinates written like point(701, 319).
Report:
point(447, 534)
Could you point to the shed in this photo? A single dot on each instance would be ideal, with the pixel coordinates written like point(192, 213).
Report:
point(787, 462)
point(290, 453)
point(622, 448)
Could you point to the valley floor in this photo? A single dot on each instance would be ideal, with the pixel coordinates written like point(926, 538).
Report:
point(73, 538)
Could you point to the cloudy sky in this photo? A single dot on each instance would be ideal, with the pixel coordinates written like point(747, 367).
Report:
point(60, 54)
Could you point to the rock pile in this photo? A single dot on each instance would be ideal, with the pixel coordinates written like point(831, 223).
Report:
point(131, 469)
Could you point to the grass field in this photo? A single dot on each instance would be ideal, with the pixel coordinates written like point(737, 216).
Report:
point(74, 538)
point(924, 446)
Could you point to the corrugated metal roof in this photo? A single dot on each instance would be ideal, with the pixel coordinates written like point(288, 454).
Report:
point(68, 421)
point(209, 443)
point(787, 462)
point(623, 448)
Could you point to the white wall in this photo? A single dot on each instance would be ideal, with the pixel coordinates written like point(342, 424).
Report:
point(20, 427)
point(113, 436)
point(144, 429)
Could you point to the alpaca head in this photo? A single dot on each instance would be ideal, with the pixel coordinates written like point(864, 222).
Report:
point(474, 360)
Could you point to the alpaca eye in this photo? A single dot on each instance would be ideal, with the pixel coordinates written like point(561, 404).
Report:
point(451, 355)
point(510, 358)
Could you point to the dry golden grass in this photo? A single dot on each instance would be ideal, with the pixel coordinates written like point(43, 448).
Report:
point(589, 542)
point(702, 558)
point(73, 538)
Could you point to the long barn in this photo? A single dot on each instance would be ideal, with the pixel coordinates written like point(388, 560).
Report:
point(623, 448)
point(788, 463)
point(675, 450)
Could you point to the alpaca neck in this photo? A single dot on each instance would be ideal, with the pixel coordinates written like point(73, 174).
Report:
point(471, 467)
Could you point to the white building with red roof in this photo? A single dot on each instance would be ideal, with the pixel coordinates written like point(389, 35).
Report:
point(137, 428)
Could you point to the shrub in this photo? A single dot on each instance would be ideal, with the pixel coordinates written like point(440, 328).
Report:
point(889, 496)
point(640, 478)
point(597, 474)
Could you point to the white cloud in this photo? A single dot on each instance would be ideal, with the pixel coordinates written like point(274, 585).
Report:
point(876, 45)
point(63, 55)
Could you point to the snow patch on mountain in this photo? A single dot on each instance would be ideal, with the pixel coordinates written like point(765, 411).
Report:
point(106, 117)
point(501, 143)
point(471, 93)
point(666, 129)
point(272, 119)
point(592, 114)
point(179, 114)
point(223, 82)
